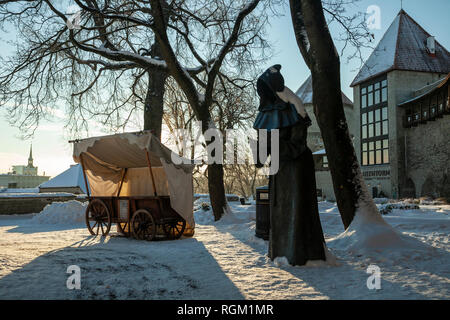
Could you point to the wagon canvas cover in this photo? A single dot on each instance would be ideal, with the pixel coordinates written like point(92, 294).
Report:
point(106, 158)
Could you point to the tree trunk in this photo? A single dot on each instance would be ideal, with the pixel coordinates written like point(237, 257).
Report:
point(154, 99)
point(341, 155)
point(322, 59)
point(216, 185)
point(216, 190)
point(201, 108)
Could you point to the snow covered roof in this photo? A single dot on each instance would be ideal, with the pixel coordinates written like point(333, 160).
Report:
point(403, 47)
point(427, 89)
point(72, 177)
point(305, 92)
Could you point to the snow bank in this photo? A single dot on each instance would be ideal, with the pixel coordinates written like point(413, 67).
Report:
point(203, 217)
point(370, 235)
point(362, 235)
point(70, 212)
point(234, 213)
point(378, 240)
point(202, 211)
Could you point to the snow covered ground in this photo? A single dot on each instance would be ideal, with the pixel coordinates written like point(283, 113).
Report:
point(224, 260)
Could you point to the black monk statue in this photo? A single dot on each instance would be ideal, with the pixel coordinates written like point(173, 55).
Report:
point(295, 229)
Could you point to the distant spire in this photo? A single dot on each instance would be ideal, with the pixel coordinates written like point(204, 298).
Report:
point(30, 158)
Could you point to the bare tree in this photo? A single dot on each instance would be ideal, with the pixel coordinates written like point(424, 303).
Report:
point(318, 50)
point(232, 34)
point(134, 45)
point(55, 64)
point(234, 101)
point(352, 29)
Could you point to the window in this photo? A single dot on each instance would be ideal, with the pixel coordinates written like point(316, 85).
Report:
point(433, 106)
point(384, 91)
point(374, 123)
point(363, 98)
point(377, 93)
point(325, 162)
point(441, 103)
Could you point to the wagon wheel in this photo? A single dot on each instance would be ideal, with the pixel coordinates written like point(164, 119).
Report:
point(174, 230)
point(98, 217)
point(143, 225)
point(124, 228)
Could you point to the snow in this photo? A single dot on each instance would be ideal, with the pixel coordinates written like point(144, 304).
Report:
point(72, 177)
point(383, 56)
point(281, 262)
point(224, 259)
point(69, 212)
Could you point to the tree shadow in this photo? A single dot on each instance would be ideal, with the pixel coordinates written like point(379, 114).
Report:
point(345, 281)
point(26, 225)
point(123, 268)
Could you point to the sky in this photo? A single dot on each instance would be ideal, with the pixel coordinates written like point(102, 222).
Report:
point(53, 154)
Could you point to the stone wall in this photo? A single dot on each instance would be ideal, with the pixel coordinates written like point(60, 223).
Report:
point(401, 86)
point(21, 181)
point(74, 190)
point(428, 159)
point(22, 205)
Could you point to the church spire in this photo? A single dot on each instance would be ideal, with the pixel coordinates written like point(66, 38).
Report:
point(30, 158)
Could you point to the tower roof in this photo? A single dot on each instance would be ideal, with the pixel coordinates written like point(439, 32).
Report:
point(305, 92)
point(72, 177)
point(30, 158)
point(404, 47)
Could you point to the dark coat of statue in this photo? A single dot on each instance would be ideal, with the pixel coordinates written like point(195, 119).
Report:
point(296, 232)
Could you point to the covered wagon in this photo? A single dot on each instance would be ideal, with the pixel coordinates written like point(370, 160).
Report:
point(132, 181)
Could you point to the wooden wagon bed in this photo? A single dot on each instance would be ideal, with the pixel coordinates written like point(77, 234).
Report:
point(124, 188)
